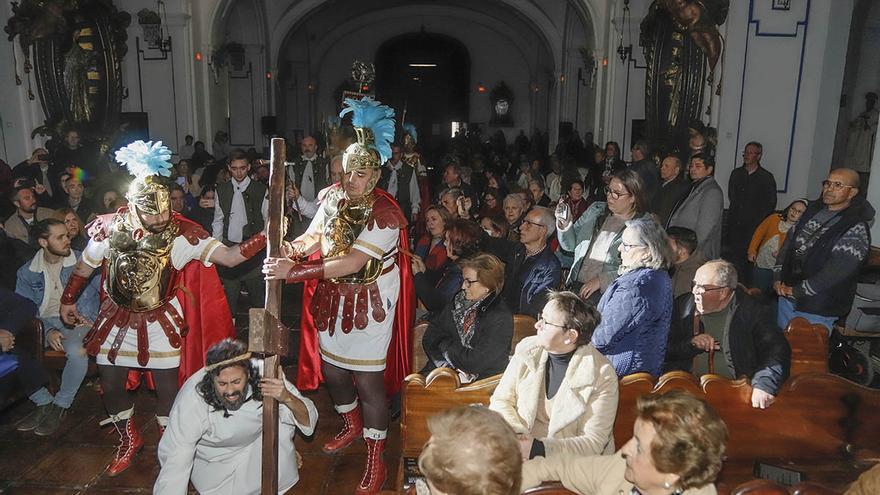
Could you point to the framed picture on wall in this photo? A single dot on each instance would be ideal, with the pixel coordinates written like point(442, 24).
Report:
point(781, 5)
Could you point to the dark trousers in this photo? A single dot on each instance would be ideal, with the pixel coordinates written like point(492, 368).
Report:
point(252, 281)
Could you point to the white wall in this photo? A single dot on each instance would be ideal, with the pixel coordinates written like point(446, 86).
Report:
point(782, 76)
point(18, 114)
point(247, 90)
point(626, 101)
point(161, 85)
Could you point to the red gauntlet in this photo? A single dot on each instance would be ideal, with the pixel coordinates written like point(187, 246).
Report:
point(308, 270)
point(73, 289)
point(252, 246)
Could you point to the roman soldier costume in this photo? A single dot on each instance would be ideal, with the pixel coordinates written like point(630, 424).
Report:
point(363, 320)
point(414, 159)
point(158, 311)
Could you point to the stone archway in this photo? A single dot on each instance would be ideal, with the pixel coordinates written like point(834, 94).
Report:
point(431, 96)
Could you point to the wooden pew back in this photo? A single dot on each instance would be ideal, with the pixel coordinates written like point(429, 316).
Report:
point(816, 415)
point(422, 397)
point(809, 347)
point(419, 358)
point(523, 326)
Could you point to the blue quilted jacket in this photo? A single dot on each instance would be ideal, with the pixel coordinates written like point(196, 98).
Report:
point(636, 310)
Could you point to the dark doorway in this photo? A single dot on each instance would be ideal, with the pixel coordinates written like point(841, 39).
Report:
point(433, 95)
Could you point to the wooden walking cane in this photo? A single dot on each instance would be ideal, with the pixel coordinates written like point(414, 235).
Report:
point(711, 358)
point(267, 336)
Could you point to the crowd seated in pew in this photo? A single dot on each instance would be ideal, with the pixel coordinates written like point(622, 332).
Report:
point(820, 424)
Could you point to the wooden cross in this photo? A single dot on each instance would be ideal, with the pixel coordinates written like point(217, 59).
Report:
point(267, 336)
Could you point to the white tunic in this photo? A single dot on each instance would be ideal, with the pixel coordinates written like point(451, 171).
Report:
point(223, 455)
point(364, 349)
point(162, 354)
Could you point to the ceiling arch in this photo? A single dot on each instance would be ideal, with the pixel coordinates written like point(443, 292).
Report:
point(455, 14)
point(527, 12)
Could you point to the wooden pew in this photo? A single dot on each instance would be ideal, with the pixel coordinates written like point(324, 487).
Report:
point(419, 358)
point(523, 326)
point(766, 487)
point(809, 346)
point(820, 423)
point(422, 397)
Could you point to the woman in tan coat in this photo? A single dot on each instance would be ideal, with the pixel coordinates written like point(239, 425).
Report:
point(677, 447)
point(559, 394)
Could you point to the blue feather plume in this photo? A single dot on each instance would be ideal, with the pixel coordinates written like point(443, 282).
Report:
point(411, 130)
point(371, 114)
point(145, 158)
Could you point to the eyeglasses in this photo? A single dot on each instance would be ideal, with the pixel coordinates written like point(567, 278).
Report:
point(702, 289)
point(615, 194)
point(545, 322)
point(468, 282)
point(627, 247)
point(834, 185)
point(532, 223)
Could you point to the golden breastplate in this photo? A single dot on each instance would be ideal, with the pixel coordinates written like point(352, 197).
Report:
point(345, 221)
point(140, 276)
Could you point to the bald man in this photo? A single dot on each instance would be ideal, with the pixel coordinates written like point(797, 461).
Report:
point(818, 264)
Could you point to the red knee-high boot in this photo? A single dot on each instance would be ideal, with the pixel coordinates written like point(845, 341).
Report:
point(130, 441)
point(375, 471)
point(352, 429)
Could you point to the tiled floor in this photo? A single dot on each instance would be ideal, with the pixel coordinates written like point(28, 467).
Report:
point(73, 460)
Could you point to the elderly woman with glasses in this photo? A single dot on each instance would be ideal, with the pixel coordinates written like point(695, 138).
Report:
point(637, 307)
point(677, 447)
point(472, 334)
point(595, 236)
point(558, 392)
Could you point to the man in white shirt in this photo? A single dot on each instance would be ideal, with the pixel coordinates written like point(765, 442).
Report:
point(240, 213)
point(214, 434)
point(307, 175)
point(401, 181)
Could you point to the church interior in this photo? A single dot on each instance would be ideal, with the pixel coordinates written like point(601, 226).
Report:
point(512, 95)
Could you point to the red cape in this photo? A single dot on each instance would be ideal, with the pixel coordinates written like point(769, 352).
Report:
point(202, 301)
point(207, 314)
point(397, 365)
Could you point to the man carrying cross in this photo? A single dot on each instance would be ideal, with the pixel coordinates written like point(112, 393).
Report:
point(214, 434)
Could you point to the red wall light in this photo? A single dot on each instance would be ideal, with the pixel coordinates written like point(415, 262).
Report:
point(198, 56)
point(481, 88)
point(268, 74)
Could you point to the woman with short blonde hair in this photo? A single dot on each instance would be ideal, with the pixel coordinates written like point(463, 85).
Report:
point(472, 451)
point(489, 270)
point(677, 447)
point(473, 332)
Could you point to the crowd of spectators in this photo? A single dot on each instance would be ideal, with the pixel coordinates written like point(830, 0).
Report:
point(616, 261)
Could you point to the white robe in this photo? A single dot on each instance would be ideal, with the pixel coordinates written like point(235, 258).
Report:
point(223, 455)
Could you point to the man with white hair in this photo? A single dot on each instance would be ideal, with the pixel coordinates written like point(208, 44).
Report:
point(530, 267)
